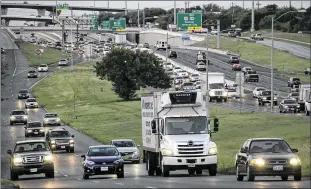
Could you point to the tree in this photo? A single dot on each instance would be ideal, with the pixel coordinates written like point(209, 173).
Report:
point(129, 71)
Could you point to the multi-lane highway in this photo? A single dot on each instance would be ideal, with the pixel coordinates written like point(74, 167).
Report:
point(68, 170)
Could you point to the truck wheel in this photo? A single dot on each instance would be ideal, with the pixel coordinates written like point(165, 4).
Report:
point(158, 172)
point(191, 171)
point(199, 171)
point(150, 165)
point(225, 100)
point(50, 173)
point(165, 172)
point(14, 176)
point(72, 150)
point(297, 177)
point(307, 112)
point(212, 170)
point(284, 178)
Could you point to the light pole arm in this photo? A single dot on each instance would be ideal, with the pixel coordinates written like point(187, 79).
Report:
point(282, 15)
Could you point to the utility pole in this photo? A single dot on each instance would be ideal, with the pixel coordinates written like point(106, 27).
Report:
point(138, 23)
point(175, 12)
point(207, 86)
point(290, 4)
point(166, 52)
point(243, 5)
point(253, 17)
point(258, 4)
point(218, 34)
point(232, 11)
point(125, 8)
point(143, 18)
point(108, 4)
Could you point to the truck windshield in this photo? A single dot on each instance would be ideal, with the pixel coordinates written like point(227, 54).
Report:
point(216, 86)
point(183, 126)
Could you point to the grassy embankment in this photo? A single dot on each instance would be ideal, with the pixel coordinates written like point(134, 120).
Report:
point(102, 115)
point(283, 61)
point(8, 184)
point(49, 56)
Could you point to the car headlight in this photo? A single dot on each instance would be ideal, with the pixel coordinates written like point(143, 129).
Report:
point(58, 119)
point(285, 106)
point(25, 117)
point(53, 142)
point(48, 157)
point(17, 160)
point(212, 151)
point(275, 98)
point(265, 98)
point(71, 141)
point(295, 161)
point(41, 130)
point(89, 162)
point(259, 162)
point(298, 106)
point(29, 131)
point(45, 120)
point(136, 152)
point(167, 152)
point(28, 74)
point(12, 118)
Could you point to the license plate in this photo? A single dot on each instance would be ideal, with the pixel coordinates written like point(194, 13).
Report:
point(62, 147)
point(191, 165)
point(36, 133)
point(104, 168)
point(278, 168)
point(292, 108)
point(33, 170)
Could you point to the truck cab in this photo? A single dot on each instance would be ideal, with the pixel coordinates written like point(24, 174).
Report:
point(176, 133)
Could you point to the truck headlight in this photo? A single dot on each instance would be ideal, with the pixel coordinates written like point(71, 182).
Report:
point(17, 160)
point(41, 130)
point(167, 152)
point(212, 151)
point(53, 142)
point(48, 157)
point(259, 162)
point(25, 117)
point(71, 141)
point(225, 93)
point(295, 161)
point(58, 119)
point(275, 98)
point(12, 118)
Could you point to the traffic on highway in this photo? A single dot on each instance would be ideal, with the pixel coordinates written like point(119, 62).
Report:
point(44, 149)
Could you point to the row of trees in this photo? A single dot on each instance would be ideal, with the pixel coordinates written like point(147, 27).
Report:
point(233, 15)
point(129, 71)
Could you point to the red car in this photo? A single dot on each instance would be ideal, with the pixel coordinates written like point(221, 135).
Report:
point(236, 67)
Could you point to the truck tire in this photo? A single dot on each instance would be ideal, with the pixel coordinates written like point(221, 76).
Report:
point(13, 175)
point(191, 171)
point(212, 170)
point(199, 171)
point(50, 173)
point(307, 112)
point(150, 164)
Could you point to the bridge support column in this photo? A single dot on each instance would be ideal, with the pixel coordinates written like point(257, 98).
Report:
point(4, 11)
point(7, 23)
point(41, 12)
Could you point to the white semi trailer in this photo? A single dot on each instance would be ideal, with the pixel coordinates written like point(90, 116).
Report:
point(305, 98)
point(176, 133)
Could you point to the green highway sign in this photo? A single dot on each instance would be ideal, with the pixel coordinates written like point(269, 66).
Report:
point(64, 6)
point(104, 25)
point(189, 21)
point(117, 25)
point(94, 22)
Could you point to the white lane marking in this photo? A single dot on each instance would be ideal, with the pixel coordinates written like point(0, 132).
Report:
point(65, 175)
point(79, 179)
point(96, 181)
point(118, 183)
point(14, 70)
point(150, 187)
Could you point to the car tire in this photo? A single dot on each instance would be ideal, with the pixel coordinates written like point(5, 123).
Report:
point(13, 175)
point(284, 178)
point(50, 173)
point(26, 107)
point(297, 177)
point(307, 112)
point(238, 176)
point(25, 123)
point(212, 170)
point(85, 176)
point(298, 111)
point(280, 111)
point(250, 176)
point(121, 174)
point(11, 123)
point(198, 171)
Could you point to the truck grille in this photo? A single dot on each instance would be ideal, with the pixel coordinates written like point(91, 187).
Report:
point(218, 93)
point(195, 149)
point(32, 159)
point(277, 162)
point(62, 141)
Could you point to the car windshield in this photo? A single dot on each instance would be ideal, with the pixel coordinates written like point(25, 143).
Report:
point(120, 144)
point(216, 86)
point(290, 102)
point(195, 75)
point(266, 93)
point(63, 60)
point(248, 68)
point(182, 71)
point(51, 115)
point(269, 146)
point(260, 89)
point(31, 147)
point(177, 68)
point(253, 76)
point(18, 113)
point(179, 78)
point(234, 57)
point(32, 71)
point(183, 126)
point(295, 94)
point(31, 100)
point(103, 151)
point(59, 134)
point(168, 63)
point(34, 124)
point(23, 91)
point(43, 66)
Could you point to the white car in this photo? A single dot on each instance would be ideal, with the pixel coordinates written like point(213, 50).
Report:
point(188, 86)
point(51, 119)
point(214, 32)
point(177, 69)
point(168, 65)
point(194, 77)
point(182, 73)
point(257, 91)
point(43, 68)
point(31, 103)
point(63, 62)
point(201, 66)
point(246, 69)
point(198, 84)
point(129, 148)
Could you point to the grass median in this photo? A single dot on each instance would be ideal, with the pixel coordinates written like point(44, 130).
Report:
point(49, 55)
point(104, 116)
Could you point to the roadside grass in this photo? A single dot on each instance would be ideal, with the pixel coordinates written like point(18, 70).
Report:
point(49, 56)
point(306, 38)
point(104, 116)
point(259, 54)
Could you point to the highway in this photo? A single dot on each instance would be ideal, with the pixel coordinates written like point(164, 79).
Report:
point(68, 166)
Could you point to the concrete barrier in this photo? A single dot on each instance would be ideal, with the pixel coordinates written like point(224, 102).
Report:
point(12, 33)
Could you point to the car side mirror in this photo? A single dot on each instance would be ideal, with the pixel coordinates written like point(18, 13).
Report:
point(83, 156)
point(72, 136)
point(154, 126)
point(295, 150)
point(9, 152)
point(138, 145)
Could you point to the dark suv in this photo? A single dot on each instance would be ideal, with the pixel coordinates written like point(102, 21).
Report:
point(18, 116)
point(60, 139)
point(172, 54)
point(265, 97)
point(31, 157)
point(293, 82)
point(23, 94)
point(34, 128)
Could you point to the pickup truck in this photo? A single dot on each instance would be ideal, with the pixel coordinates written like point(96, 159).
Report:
point(251, 76)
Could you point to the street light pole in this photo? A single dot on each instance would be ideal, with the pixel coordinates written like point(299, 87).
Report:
point(271, 65)
point(166, 51)
point(207, 87)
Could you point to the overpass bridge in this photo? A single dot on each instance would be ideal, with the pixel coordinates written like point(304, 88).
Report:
point(8, 18)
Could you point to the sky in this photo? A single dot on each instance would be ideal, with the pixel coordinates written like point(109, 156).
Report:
point(144, 4)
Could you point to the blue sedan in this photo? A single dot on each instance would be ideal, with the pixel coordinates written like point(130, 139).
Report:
point(102, 160)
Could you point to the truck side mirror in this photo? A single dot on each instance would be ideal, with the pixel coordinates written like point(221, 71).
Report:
point(9, 152)
point(216, 124)
point(154, 126)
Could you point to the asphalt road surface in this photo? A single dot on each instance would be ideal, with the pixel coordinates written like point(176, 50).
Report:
point(297, 50)
point(68, 166)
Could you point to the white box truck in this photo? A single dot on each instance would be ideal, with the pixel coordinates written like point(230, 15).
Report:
point(305, 98)
point(216, 83)
point(176, 133)
point(120, 38)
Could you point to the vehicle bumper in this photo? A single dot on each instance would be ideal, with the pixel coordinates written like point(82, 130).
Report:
point(32, 106)
point(108, 169)
point(35, 134)
point(19, 121)
point(28, 169)
point(62, 146)
point(22, 97)
point(218, 97)
point(268, 170)
point(183, 163)
point(51, 123)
